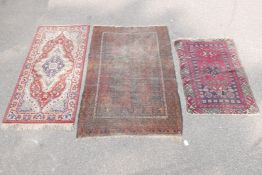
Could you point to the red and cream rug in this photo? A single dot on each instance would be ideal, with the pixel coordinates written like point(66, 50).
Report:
point(214, 80)
point(48, 87)
point(130, 86)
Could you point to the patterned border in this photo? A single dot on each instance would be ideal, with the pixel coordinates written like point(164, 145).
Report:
point(185, 71)
point(25, 72)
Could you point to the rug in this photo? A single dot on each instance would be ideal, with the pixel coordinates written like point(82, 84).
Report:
point(214, 80)
point(48, 87)
point(130, 86)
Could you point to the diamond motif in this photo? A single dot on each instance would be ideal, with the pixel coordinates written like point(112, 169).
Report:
point(50, 72)
point(52, 66)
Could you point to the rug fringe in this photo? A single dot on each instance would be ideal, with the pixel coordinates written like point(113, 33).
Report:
point(49, 126)
point(203, 39)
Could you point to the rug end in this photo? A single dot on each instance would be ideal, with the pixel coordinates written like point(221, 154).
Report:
point(22, 127)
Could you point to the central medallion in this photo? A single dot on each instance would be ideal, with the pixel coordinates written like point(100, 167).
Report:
point(53, 65)
point(52, 69)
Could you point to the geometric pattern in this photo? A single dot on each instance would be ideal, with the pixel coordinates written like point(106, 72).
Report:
point(130, 86)
point(48, 87)
point(214, 80)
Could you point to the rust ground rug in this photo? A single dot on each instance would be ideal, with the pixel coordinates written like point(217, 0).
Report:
point(214, 80)
point(48, 87)
point(130, 86)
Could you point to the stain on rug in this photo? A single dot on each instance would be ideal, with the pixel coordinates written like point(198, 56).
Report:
point(130, 86)
point(214, 80)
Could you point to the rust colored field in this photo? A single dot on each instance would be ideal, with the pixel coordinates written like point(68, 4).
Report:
point(130, 86)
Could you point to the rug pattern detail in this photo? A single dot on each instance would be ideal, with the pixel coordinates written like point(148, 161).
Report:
point(130, 81)
point(214, 80)
point(49, 84)
point(130, 86)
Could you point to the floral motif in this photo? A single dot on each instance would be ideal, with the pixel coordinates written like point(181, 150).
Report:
point(212, 70)
point(49, 85)
point(53, 66)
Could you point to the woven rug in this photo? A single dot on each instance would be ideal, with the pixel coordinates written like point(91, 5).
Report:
point(130, 86)
point(214, 80)
point(48, 87)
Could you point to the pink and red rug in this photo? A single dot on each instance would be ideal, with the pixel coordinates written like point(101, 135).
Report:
point(214, 80)
point(48, 87)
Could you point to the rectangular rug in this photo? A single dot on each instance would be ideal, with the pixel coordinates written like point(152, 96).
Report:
point(214, 80)
point(130, 86)
point(48, 87)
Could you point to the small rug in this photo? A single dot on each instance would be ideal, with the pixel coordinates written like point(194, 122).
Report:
point(48, 87)
point(214, 80)
point(130, 86)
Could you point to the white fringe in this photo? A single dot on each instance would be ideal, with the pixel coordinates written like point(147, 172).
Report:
point(173, 137)
point(36, 126)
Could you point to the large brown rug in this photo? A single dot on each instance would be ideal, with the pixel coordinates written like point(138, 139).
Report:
point(130, 86)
